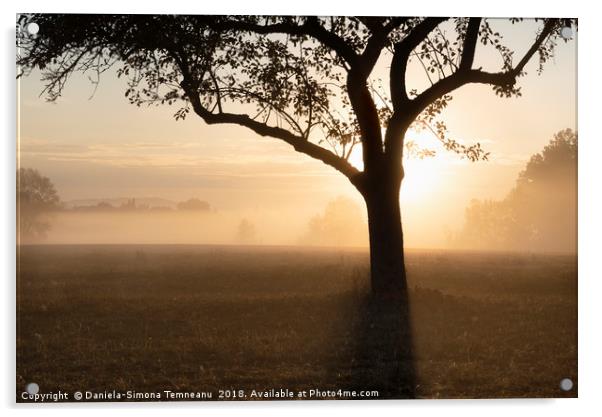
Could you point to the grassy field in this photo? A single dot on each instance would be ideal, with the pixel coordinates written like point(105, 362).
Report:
point(208, 318)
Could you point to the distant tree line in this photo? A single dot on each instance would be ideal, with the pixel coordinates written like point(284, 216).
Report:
point(192, 204)
point(37, 200)
point(539, 213)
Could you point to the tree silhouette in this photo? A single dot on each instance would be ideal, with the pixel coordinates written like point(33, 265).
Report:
point(193, 204)
point(540, 212)
point(303, 80)
point(246, 233)
point(341, 224)
point(36, 196)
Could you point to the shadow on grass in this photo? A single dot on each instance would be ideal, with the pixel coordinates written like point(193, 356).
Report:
point(383, 359)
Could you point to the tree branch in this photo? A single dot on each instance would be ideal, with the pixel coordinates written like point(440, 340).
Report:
point(401, 56)
point(359, 93)
point(299, 143)
point(465, 75)
point(376, 43)
point(366, 115)
point(397, 85)
point(470, 43)
point(311, 27)
point(374, 24)
point(546, 31)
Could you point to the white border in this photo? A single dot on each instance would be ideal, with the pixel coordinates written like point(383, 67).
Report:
point(590, 152)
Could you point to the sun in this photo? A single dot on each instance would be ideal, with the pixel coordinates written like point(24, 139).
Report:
point(423, 177)
point(355, 158)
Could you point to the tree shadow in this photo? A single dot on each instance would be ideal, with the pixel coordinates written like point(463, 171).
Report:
point(383, 358)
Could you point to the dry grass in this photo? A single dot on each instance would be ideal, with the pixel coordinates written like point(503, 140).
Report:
point(201, 318)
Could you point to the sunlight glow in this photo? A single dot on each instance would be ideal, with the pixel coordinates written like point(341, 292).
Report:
point(422, 176)
point(356, 159)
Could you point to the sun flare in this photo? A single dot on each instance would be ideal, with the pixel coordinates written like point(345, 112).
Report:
point(422, 176)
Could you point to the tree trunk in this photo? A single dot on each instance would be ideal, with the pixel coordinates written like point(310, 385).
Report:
point(386, 337)
point(388, 278)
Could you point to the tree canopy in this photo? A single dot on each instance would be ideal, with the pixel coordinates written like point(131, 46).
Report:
point(302, 79)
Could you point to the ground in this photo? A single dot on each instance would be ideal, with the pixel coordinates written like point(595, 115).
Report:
point(210, 318)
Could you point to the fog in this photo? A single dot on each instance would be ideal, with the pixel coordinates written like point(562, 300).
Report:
point(542, 219)
point(170, 227)
point(538, 214)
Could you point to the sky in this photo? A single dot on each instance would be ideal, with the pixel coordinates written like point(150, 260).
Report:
point(94, 144)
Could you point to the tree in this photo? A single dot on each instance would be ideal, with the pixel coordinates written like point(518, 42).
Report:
point(193, 204)
point(36, 196)
point(557, 162)
point(303, 80)
point(540, 212)
point(341, 224)
point(246, 233)
point(545, 197)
